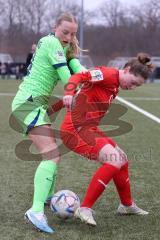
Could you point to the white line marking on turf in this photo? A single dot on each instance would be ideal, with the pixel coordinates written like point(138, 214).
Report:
point(7, 94)
point(13, 94)
point(127, 98)
point(138, 109)
point(142, 98)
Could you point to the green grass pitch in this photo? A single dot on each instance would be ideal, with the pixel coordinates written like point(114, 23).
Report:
point(142, 145)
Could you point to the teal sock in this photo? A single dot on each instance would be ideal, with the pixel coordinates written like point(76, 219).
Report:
point(43, 180)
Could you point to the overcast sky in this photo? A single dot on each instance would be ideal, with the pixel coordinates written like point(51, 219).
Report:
point(91, 4)
point(94, 4)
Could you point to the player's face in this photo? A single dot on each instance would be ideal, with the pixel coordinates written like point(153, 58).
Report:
point(129, 81)
point(66, 32)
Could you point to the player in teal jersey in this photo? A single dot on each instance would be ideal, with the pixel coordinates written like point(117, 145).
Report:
point(48, 66)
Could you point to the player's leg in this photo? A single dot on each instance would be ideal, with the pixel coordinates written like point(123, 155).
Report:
point(51, 192)
point(122, 183)
point(76, 142)
point(44, 180)
point(110, 158)
point(32, 118)
point(91, 149)
point(111, 168)
point(94, 147)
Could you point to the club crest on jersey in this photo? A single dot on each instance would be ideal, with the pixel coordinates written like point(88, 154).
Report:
point(60, 55)
point(96, 75)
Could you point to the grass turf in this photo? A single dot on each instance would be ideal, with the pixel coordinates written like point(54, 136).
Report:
point(142, 146)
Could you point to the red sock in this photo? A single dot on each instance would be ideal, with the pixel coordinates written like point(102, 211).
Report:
point(121, 180)
point(97, 185)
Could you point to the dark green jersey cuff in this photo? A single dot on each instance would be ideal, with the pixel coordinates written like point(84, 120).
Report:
point(58, 65)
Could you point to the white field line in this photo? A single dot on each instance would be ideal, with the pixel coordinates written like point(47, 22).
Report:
point(138, 109)
point(7, 94)
point(127, 98)
point(13, 94)
point(133, 106)
point(143, 98)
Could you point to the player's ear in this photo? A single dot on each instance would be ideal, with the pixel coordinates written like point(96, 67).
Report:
point(126, 69)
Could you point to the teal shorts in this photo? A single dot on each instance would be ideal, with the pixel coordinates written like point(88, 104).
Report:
point(28, 112)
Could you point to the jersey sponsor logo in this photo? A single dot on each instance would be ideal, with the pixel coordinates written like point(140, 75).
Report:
point(96, 75)
point(60, 55)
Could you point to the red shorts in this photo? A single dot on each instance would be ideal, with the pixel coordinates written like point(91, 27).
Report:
point(86, 140)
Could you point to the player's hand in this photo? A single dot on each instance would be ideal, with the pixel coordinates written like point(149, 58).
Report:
point(68, 101)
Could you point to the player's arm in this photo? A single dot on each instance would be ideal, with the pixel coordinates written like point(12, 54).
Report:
point(70, 87)
point(56, 107)
point(94, 75)
point(64, 75)
point(67, 68)
point(75, 66)
point(63, 67)
point(58, 60)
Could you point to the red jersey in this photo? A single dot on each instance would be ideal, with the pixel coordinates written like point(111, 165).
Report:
point(100, 86)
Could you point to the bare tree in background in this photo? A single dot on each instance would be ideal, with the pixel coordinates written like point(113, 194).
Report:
point(10, 11)
point(24, 23)
point(2, 9)
point(151, 14)
point(58, 7)
point(125, 31)
point(147, 29)
point(112, 11)
point(2, 24)
point(116, 20)
point(35, 11)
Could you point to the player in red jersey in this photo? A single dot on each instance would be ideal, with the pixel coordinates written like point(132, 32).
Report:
point(81, 134)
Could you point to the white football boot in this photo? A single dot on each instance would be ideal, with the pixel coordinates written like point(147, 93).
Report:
point(131, 210)
point(86, 215)
point(38, 220)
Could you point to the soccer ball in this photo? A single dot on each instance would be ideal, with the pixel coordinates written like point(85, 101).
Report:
point(64, 203)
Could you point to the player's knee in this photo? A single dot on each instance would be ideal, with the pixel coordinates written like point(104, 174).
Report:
point(51, 152)
point(122, 154)
point(112, 155)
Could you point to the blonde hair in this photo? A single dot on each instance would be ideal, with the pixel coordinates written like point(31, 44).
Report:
point(141, 65)
point(74, 48)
